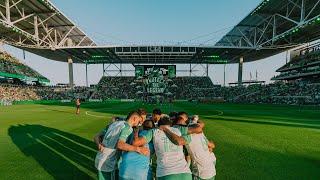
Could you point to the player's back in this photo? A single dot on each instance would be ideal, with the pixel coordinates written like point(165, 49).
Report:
point(107, 160)
point(112, 135)
point(170, 157)
point(134, 164)
point(203, 161)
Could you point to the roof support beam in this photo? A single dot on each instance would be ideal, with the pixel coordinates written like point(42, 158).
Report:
point(287, 18)
point(65, 36)
point(302, 14)
point(23, 18)
point(8, 19)
point(45, 31)
point(263, 29)
point(15, 3)
point(2, 15)
point(311, 11)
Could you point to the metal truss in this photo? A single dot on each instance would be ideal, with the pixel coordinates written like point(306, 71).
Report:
point(38, 24)
point(273, 23)
point(113, 69)
point(194, 71)
point(156, 54)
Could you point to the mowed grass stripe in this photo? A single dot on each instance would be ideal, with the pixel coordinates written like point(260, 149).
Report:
point(253, 141)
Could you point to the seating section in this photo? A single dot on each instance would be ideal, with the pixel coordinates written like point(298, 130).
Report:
point(180, 87)
point(295, 93)
point(16, 93)
point(26, 92)
point(11, 67)
point(115, 88)
point(304, 66)
point(193, 88)
point(184, 88)
point(197, 88)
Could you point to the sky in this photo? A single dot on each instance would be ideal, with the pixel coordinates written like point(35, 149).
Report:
point(114, 22)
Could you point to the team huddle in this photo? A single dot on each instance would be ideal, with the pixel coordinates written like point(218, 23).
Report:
point(129, 148)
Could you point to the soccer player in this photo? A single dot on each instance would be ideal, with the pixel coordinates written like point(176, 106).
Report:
point(135, 166)
point(200, 150)
point(78, 106)
point(114, 139)
point(173, 116)
point(181, 123)
point(156, 115)
point(171, 164)
point(143, 114)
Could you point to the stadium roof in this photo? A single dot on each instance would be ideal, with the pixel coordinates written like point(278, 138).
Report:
point(277, 23)
point(156, 54)
point(38, 24)
point(271, 28)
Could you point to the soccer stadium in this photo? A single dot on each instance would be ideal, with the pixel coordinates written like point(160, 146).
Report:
point(142, 108)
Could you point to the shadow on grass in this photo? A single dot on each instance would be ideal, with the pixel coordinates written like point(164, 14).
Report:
point(279, 123)
point(61, 154)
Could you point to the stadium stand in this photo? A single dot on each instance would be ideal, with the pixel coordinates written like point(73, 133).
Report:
point(193, 88)
point(306, 65)
point(295, 93)
point(17, 93)
point(114, 88)
point(14, 76)
point(299, 89)
point(188, 88)
point(181, 87)
point(202, 88)
point(11, 67)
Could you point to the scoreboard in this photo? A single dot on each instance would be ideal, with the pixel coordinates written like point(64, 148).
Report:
point(155, 77)
point(165, 70)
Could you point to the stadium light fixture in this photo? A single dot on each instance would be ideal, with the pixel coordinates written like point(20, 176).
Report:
point(49, 5)
point(98, 56)
point(260, 6)
point(313, 21)
point(212, 56)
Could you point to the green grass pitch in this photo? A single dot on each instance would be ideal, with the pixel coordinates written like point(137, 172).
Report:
point(43, 141)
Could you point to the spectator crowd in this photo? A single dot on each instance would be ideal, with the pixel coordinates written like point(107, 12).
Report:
point(20, 92)
point(11, 65)
point(181, 88)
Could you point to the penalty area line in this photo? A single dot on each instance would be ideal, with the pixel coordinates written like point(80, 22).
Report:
point(97, 116)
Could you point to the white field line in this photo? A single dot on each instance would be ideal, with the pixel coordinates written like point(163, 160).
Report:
point(97, 116)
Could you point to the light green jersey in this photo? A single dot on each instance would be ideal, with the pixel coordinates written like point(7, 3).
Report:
point(170, 157)
point(106, 161)
point(203, 161)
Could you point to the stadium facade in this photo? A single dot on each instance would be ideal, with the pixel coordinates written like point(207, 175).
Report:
point(272, 27)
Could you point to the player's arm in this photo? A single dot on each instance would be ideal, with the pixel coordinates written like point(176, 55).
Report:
point(139, 141)
point(197, 128)
point(97, 140)
point(175, 139)
point(142, 140)
point(122, 145)
point(211, 146)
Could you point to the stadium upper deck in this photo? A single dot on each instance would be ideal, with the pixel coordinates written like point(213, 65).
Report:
point(272, 27)
point(38, 24)
point(276, 23)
